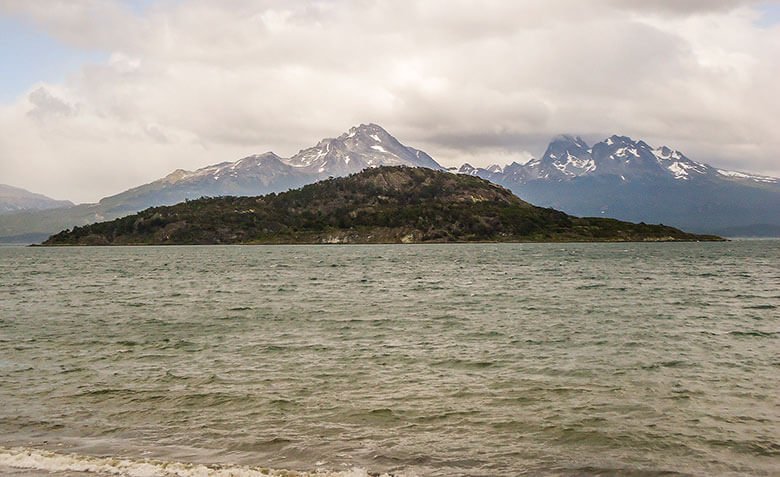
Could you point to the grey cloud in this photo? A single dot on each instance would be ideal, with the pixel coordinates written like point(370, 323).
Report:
point(682, 6)
point(156, 133)
point(46, 104)
point(91, 24)
point(242, 76)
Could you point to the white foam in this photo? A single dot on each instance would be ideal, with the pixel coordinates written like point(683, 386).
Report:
point(24, 458)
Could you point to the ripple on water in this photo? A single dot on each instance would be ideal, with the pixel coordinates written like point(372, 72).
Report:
point(583, 359)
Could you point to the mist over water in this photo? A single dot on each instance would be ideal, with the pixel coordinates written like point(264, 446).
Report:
point(480, 359)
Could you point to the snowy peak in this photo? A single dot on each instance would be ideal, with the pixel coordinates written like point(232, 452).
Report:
point(568, 157)
point(622, 148)
point(175, 176)
point(568, 141)
point(622, 156)
point(248, 166)
point(495, 169)
point(679, 166)
point(367, 131)
point(468, 169)
point(364, 146)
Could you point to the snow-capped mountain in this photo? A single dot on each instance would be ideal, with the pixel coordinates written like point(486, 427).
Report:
point(565, 157)
point(14, 199)
point(568, 157)
point(679, 166)
point(364, 146)
point(630, 180)
point(617, 177)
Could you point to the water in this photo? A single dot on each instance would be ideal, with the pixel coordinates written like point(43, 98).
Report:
point(527, 359)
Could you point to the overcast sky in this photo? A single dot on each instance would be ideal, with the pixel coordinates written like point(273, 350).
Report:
point(97, 96)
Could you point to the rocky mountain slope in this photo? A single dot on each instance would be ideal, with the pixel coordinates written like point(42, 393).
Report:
point(631, 180)
point(364, 146)
point(379, 205)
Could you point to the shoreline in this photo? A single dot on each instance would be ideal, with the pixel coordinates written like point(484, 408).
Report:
point(475, 242)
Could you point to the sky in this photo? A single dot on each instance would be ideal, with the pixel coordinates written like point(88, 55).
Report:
point(97, 96)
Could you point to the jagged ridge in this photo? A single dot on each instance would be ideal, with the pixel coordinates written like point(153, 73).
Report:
point(631, 180)
point(569, 157)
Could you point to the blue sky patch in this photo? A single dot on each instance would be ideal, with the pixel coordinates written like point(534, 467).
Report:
point(29, 55)
point(770, 14)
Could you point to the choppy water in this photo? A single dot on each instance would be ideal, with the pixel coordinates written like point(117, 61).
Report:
point(549, 359)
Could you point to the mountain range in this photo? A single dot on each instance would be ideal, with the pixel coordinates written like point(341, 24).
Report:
point(630, 180)
point(378, 205)
point(618, 177)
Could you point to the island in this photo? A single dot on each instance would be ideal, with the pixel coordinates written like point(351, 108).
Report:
point(379, 205)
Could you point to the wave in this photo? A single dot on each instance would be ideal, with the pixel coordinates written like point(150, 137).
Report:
point(36, 459)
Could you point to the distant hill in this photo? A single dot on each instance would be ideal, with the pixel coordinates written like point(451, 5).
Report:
point(380, 205)
point(631, 180)
point(14, 199)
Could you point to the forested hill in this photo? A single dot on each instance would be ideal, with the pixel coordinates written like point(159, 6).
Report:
point(379, 205)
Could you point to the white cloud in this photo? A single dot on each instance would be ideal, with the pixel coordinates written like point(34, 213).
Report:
point(190, 83)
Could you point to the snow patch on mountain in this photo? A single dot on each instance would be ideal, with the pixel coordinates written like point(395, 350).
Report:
point(579, 164)
point(468, 170)
point(623, 152)
point(752, 177)
point(678, 165)
point(364, 146)
point(569, 157)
